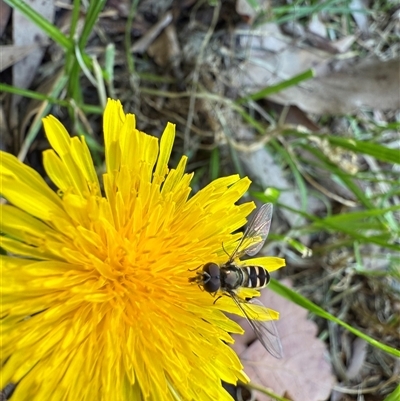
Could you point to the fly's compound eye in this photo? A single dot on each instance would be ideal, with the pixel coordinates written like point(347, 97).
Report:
point(213, 282)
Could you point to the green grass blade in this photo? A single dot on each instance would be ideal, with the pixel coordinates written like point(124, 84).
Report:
point(358, 224)
point(32, 94)
point(353, 216)
point(290, 160)
point(92, 15)
point(394, 396)
point(369, 148)
point(75, 14)
point(252, 121)
point(381, 239)
point(336, 224)
point(87, 108)
point(214, 164)
point(317, 310)
point(295, 11)
point(266, 391)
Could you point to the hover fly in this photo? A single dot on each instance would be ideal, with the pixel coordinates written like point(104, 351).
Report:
point(229, 277)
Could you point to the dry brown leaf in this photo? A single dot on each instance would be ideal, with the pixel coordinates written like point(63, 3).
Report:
point(339, 87)
point(5, 11)
point(165, 49)
point(293, 116)
point(360, 14)
point(317, 27)
point(304, 373)
point(344, 44)
point(141, 45)
point(371, 84)
point(11, 54)
point(26, 33)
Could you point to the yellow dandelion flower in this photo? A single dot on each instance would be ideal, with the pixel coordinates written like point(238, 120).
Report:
point(96, 302)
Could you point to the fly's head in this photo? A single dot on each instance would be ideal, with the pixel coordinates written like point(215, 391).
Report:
point(209, 278)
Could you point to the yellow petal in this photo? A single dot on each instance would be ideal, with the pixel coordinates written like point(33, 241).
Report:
point(167, 141)
point(23, 187)
point(113, 121)
point(271, 263)
point(75, 156)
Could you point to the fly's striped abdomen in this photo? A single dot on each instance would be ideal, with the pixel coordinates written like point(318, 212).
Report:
point(256, 277)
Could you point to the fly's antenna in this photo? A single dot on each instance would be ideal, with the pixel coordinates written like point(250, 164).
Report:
point(193, 270)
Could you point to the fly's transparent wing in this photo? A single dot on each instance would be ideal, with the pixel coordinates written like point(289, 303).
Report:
point(256, 232)
point(258, 227)
point(265, 331)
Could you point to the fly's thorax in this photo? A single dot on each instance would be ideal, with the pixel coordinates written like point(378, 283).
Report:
point(231, 277)
point(255, 277)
